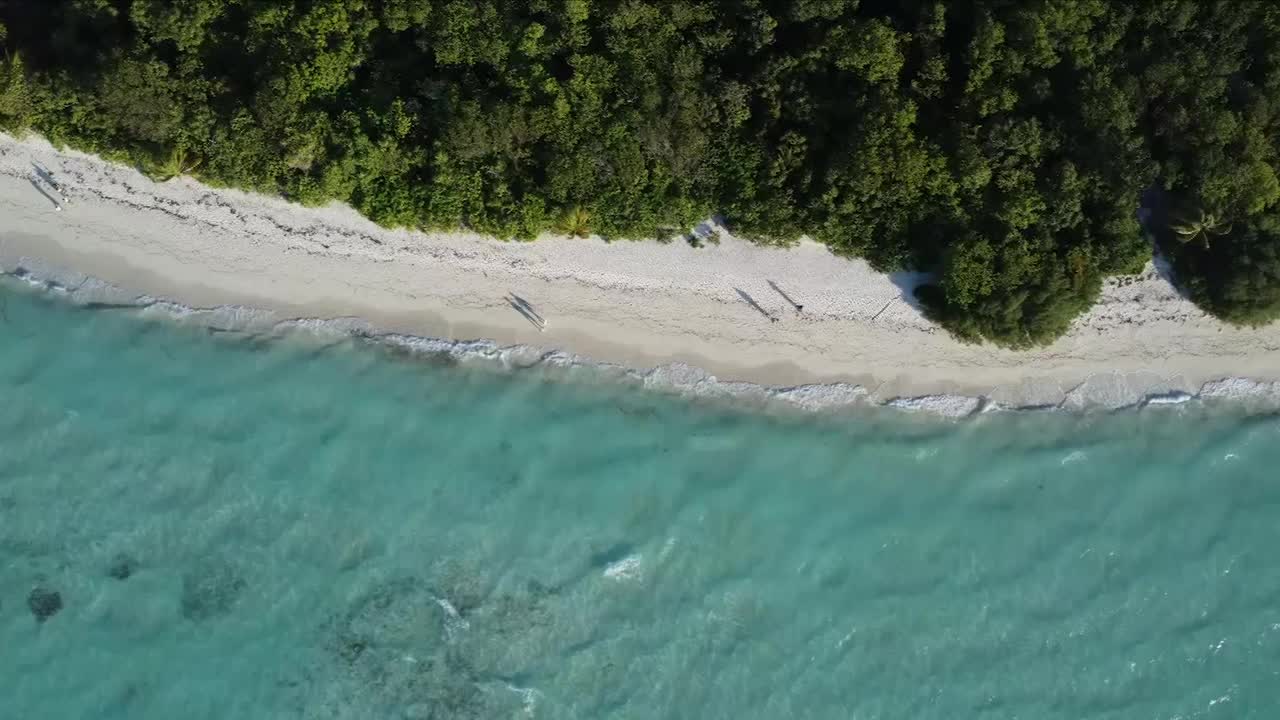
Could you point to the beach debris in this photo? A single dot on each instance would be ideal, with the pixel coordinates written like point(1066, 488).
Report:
point(752, 302)
point(44, 603)
point(121, 567)
point(799, 308)
point(210, 590)
point(523, 307)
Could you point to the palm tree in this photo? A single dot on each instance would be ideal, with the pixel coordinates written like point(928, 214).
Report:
point(576, 222)
point(179, 163)
point(1200, 228)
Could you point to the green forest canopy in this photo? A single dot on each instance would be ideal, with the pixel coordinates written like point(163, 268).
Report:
point(1001, 144)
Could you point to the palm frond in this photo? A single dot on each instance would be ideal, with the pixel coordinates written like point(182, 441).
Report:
point(576, 222)
point(1200, 227)
point(179, 163)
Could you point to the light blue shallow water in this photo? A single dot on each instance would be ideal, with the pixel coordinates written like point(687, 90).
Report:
point(343, 533)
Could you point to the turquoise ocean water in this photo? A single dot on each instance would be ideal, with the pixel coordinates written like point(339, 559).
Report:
point(238, 528)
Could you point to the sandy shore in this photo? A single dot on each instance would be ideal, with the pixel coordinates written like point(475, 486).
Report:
point(642, 304)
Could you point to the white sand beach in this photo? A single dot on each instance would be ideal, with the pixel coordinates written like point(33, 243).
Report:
point(642, 304)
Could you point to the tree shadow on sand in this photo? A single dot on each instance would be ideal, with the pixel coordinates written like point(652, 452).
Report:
point(1155, 215)
point(908, 283)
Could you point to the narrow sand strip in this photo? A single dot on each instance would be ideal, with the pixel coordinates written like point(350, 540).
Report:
point(641, 304)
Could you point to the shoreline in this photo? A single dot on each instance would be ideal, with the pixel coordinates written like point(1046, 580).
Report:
point(674, 379)
point(638, 304)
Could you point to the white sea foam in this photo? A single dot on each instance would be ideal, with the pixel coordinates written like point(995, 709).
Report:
point(924, 453)
point(333, 327)
point(821, 397)
point(628, 568)
point(667, 547)
point(1240, 389)
point(529, 698)
point(454, 623)
point(227, 318)
point(1074, 456)
point(1169, 398)
point(952, 406)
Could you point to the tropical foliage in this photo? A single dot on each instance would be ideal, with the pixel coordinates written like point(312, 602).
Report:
point(1002, 144)
point(1199, 229)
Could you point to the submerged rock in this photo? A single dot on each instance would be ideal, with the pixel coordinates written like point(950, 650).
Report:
point(461, 586)
point(403, 650)
point(121, 567)
point(401, 615)
point(44, 603)
point(210, 590)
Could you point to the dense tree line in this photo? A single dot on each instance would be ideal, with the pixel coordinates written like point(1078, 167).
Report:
point(1003, 144)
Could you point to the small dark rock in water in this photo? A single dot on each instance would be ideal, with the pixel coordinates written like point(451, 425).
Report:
point(210, 590)
point(350, 649)
point(121, 567)
point(44, 603)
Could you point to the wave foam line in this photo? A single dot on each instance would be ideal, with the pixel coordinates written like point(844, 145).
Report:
point(1104, 391)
